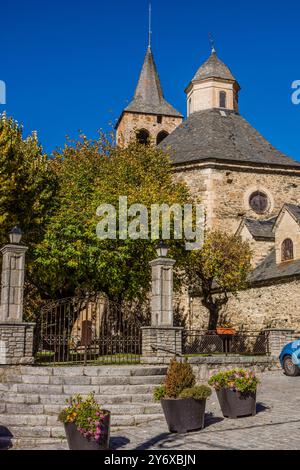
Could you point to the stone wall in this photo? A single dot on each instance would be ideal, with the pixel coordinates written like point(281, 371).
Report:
point(225, 191)
point(260, 248)
point(272, 306)
point(159, 345)
point(287, 227)
point(16, 343)
point(205, 367)
point(132, 122)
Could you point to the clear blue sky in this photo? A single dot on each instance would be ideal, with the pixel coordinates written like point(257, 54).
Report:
point(72, 65)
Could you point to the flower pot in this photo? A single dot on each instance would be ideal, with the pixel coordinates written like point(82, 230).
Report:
point(235, 404)
point(184, 414)
point(77, 441)
point(226, 331)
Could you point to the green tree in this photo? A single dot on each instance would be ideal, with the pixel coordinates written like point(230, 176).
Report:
point(26, 184)
point(91, 173)
point(220, 267)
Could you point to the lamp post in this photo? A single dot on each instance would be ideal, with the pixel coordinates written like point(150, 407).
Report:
point(15, 235)
point(162, 249)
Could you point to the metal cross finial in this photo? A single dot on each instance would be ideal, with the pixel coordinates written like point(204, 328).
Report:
point(212, 43)
point(150, 25)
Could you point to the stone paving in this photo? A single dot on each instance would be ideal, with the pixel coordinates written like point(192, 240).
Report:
point(276, 425)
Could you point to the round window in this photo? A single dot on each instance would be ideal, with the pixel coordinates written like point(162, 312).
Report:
point(259, 202)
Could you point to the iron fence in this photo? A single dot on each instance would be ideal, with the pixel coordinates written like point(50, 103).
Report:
point(196, 342)
point(89, 330)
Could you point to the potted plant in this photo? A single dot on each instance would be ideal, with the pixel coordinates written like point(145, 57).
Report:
point(236, 391)
point(183, 402)
point(226, 329)
point(87, 426)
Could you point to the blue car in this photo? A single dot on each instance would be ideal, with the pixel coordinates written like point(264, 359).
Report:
point(290, 358)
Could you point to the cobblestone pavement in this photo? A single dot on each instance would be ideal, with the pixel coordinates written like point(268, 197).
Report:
point(276, 425)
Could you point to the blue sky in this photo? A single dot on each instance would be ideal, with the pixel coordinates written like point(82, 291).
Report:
point(73, 65)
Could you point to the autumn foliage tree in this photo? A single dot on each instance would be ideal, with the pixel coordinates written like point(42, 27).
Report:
point(91, 173)
point(220, 267)
point(27, 184)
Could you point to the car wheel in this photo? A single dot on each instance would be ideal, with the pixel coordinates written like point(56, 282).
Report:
point(289, 367)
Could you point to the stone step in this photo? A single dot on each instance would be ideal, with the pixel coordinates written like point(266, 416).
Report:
point(49, 416)
point(41, 389)
point(50, 443)
point(60, 400)
point(91, 371)
point(37, 412)
point(57, 431)
point(84, 380)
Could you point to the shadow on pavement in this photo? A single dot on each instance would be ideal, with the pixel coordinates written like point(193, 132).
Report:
point(261, 407)
point(117, 442)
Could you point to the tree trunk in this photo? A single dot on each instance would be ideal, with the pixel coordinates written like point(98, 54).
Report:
point(213, 317)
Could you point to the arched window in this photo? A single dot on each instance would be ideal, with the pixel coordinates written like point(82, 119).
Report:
point(223, 99)
point(161, 136)
point(190, 106)
point(259, 202)
point(287, 250)
point(143, 137)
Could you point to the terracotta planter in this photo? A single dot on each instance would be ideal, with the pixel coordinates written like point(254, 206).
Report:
point(226, 331)
point(184, 414)
point(236, 404)
point(78, 442)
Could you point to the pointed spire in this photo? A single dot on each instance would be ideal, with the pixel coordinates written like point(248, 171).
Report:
point(212, 43)
point(148, 96)
point(214, 68)
point(150, 26)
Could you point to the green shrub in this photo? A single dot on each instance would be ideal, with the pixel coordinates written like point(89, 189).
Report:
point(236, 379)
point(159, 392)
point(199, 392)
point(180, 376)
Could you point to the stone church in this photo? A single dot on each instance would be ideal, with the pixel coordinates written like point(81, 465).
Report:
point(246, 185)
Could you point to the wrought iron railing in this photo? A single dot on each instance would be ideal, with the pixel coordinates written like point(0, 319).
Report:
point(88, 330)
point(198, 342)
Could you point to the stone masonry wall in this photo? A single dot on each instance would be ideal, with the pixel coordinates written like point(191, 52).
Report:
point(132, 122)
point(260, 248)
point(16, 343)
point(225, 192)
point(273, 306)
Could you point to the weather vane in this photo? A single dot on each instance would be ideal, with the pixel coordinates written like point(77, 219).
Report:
point(150, 24)
point(212, 42)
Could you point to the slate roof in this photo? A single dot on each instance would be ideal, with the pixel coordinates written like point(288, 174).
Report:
point(149, 97)
point(261, 229)
point(215, 134)
point(269, 270)
point(294, 210)
point(213, 68)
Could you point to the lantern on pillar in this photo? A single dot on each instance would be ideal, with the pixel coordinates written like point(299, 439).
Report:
point(15, 235)
point(161, 249)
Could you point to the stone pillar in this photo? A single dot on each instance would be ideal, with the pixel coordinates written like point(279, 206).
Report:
point(278, 338)
point(162, 292)
point(16, 337)
point(12, 283)
point(161, 341)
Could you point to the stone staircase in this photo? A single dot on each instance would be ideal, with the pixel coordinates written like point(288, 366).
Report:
point(32, 397)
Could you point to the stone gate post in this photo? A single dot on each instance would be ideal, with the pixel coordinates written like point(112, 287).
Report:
point(161, 341)
point(16, 337)
point(278, 338)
